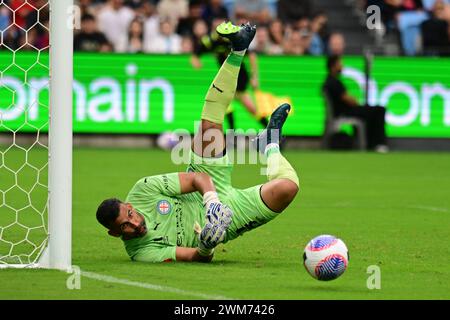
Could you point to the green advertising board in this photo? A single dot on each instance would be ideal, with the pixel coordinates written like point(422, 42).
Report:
point(145, 94)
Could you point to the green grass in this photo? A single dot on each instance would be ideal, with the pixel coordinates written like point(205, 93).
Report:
point(391, 210)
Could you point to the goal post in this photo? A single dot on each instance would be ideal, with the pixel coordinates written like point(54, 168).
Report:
point(36, 173)
point(60, 135)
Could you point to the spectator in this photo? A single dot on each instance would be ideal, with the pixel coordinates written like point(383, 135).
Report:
point(26, 18)
point(344, 104)
point(324, 31)
point(114, 20)
point(409, 19)
point(5, 19)
point(336, 44)
point(186, 45)
point(318, 34)
point(302, 24)
point(200, 42)
point(11, 38)
point(443, 9)
point(151, 22)
point(256, 11)
point(89, 38)
point(389, 10)
point(214, 9)
point(276, 33)
point(436, 30)
point(407, 16)
point(297, 42)
point(42, 15)
point(136, 36)
point(262, 43)
point(211, 42)
point(21, 10)
point(86, 7)
point(42, 30)
point(185, 24)
point(33, 41)
point(36, 38)
point(199, 30)
point(167, 41)
point(173, 10)
point(293, 10)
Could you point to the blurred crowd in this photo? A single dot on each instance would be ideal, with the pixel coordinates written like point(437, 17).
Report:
point(292, 27)
point(174, 26)
point(423, 25)
point(30, 29)
point(179, 26)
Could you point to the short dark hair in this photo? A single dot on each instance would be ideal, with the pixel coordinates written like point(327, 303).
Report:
point(332, 60)
point(108, 211)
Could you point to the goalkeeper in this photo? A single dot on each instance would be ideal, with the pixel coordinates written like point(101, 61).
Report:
point(184, 216)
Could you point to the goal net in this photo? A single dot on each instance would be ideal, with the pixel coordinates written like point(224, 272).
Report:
point(29, 217)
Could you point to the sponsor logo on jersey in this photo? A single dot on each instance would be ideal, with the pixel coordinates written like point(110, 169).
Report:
point(163, 207)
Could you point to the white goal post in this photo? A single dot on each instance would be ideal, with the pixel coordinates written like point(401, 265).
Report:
point(55, 250)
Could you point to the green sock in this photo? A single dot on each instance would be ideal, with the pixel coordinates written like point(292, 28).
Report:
point(277, 165)
point(223, 89)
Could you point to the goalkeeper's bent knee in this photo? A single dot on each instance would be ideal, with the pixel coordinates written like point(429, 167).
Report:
point(279, 168)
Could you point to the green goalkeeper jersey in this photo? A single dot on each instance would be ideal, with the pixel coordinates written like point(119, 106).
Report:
point(169, 216)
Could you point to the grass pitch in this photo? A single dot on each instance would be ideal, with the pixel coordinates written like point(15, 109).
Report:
point(391, 210)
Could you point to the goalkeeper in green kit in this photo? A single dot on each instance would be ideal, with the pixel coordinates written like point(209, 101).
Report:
point(184, 216)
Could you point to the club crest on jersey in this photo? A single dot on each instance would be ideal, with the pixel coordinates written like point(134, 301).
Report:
point(163, 207)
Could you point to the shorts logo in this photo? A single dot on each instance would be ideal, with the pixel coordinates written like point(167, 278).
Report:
point(163, 207)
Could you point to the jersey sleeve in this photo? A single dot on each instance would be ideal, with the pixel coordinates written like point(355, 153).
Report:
point(155, 254)
point(165, 184)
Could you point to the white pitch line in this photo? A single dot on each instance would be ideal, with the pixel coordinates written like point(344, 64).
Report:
point(436, 209)
point(347, 205)
point(149, 286)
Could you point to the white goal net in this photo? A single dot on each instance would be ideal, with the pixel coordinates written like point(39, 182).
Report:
point(25, 101)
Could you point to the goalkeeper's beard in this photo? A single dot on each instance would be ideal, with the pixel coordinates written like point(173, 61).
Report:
point(141, 230)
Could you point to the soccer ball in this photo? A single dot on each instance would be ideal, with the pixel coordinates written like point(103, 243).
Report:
point(167, 140)
point(325, 257)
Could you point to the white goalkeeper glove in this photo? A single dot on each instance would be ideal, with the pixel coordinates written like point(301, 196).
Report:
point(209, 198)
point(216, 212)
point(218, 219)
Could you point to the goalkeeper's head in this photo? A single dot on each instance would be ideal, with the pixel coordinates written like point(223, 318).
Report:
point(121, 219)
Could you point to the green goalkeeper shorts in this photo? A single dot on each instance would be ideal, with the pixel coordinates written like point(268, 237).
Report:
point(249, 210)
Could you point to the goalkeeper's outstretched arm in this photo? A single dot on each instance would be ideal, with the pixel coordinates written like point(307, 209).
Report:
point(192, 255)
point(196, 181)
point(218, 218)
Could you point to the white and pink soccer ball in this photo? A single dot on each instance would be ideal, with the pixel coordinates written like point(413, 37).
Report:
point(325, 257)
point(167, 140)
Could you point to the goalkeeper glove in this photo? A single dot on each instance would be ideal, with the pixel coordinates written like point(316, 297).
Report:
point(209, 238)
point(216, 212)
point(201, 249)
point(218, 219)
